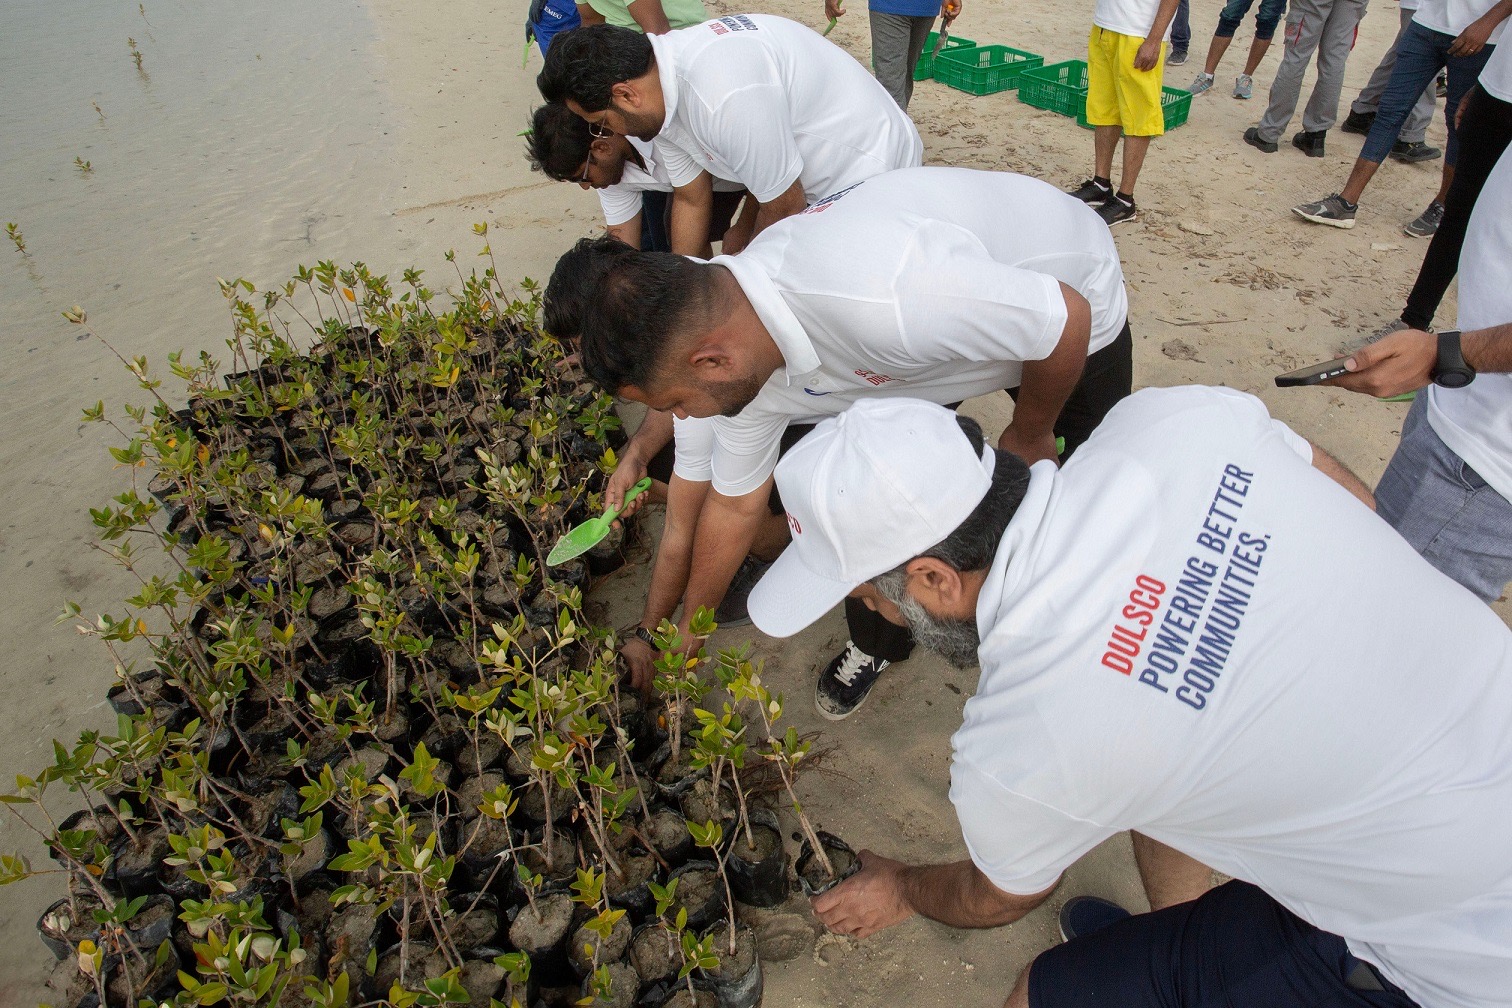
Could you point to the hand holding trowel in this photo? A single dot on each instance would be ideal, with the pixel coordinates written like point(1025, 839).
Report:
point(949, 11)
point(589, 534)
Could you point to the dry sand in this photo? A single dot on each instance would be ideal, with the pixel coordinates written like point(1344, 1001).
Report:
point(1226, 288)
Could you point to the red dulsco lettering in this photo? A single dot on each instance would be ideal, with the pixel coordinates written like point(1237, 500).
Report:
point(1124, 643)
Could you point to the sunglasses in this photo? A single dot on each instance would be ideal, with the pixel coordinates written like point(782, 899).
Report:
point(600, 132)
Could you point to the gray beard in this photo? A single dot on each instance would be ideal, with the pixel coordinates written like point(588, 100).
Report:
point(954, 640)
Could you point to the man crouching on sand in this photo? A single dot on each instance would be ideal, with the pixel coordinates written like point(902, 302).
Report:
point(1217, 644)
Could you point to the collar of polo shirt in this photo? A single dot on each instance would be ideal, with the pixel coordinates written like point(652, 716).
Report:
point(662, 47)
point(798, 354)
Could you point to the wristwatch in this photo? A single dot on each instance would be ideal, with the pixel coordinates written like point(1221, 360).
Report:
point(1451, 371)
point(644, 636)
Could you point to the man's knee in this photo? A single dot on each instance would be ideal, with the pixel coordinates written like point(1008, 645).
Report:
point(1020, 996)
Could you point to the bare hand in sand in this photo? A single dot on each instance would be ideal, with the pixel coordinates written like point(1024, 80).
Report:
point(869, 901)
point(1394, 364)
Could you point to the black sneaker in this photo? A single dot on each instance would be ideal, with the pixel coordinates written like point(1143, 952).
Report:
point(1117, 210)
point(1092, 192)
point(1254, 139)
point(1358, 122)
point(846, 681)
point(1310, 144)
point(732, 611)
point(1441, 84)
point(1084, 915)
point(1412, 151)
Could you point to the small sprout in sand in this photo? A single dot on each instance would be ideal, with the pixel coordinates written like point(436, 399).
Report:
point(98, 110)
point(84, 166)
point(136, 53)
point(16, 237)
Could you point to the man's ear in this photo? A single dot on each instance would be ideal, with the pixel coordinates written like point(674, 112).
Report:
point(936, 584)
point(625, 94)
point(711, 358)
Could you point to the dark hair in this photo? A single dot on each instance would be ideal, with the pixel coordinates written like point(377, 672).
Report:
point(584, 64)
point(640, 303)
point(974, 543)
point(558, 143)
point(572, 282)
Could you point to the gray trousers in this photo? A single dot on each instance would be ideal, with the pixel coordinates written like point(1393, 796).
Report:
point(1445, 509)
point(1370, 98)
point(1326, 27)
point(897, 43)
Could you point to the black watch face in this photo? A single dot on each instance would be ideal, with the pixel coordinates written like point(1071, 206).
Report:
point(1454, 379)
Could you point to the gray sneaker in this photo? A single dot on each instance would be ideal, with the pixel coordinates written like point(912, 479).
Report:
point(1332, 210)
point(732, 611)
point(1427, 222)
point(1177, 57)
point(1244, 86)
point(1203, 82)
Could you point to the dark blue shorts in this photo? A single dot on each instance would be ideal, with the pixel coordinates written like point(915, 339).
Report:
point(1233, 948)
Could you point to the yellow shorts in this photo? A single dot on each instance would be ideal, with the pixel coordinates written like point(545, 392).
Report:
point(1119, 95)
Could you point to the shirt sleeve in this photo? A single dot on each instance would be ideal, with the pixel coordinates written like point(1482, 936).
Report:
point(1020, 844)
point(694, 441)
point(680, 165)
point(975, 308)
point(745, 451)
point(753, 132)
point(620, 204)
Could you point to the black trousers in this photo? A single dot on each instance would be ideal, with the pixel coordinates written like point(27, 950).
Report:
point(1107, 378)
point(1483, 136)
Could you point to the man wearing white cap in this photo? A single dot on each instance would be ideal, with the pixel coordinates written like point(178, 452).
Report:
point(936, 283)
point(1190, 631)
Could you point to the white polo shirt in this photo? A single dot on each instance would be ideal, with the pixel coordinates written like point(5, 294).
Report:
point(1496, 77)
point(767, 101)
point(1128, 17)
point(622, 201)
point(1475, 422)
point(1453, 16)
point(1190, 632)
point(932, 283)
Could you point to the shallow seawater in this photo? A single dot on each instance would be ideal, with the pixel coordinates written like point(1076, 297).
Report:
point(253, 138)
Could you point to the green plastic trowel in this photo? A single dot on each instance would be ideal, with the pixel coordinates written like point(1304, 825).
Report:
point(589, 534)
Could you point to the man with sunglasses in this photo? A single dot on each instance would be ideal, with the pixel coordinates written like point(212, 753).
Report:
point(623, 171)
point(750, 97)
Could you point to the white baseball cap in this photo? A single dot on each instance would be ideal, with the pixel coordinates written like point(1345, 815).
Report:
point(866, 491)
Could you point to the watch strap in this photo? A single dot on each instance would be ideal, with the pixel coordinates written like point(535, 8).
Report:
point(643, 635)
point(1450, 370)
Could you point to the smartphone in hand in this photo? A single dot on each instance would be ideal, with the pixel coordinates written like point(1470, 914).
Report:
point(1312, 374)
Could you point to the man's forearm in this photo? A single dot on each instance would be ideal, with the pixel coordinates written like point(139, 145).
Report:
point(1340, 474)
point(650, 437)
point(691, 206)
point(1048, 383)
point(674, 555)
point(1490, 349)
point(790, 202)
point(1163, 16)
point(960, 896)
point(726, 528)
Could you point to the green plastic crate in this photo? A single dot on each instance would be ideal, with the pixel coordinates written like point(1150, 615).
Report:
point(985, 69)
point(1058, 87)
point(1062, 87)
point(924, 69)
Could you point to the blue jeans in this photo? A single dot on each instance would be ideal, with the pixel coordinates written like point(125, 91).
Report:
point(1181, 26)
point(1449, 514)
point(1270, 14)
point(1421, 54)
